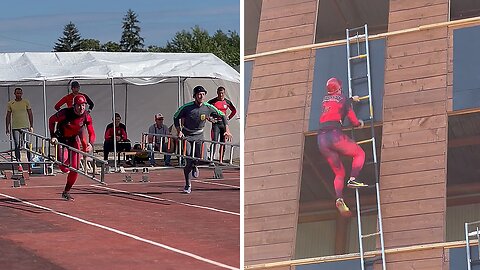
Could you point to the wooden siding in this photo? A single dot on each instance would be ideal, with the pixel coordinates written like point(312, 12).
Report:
point(274, 130)
point(414, 142)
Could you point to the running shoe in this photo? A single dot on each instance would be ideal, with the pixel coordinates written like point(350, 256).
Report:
point(67, 197)
point(342, 207)
point(352, 183)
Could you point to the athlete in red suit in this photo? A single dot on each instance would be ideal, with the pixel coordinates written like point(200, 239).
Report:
point(70, 131)
point(332, 143)
point(222, 104)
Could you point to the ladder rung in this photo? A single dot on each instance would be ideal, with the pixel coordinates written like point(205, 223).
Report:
point(359, 78)
point(370, 163)
point(370, 234)
point(358, 56)
point(365, 141)
point(371, 261)
point(357, 37)
point(369, 210)
point(364, 97)
point(356, 28)
point(474, 233)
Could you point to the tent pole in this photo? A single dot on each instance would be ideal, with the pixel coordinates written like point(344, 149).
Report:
point(114, 129)
point(45, 123)
point(179, 94)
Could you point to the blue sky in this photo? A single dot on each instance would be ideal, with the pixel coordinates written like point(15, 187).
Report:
point(35, 26)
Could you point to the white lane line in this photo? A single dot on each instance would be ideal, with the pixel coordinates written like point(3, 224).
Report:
point(215, 183)
point(168, 200)
point(197, 257)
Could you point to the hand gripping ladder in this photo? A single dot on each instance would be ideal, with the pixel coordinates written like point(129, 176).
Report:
point(357, 40)
point(468, 234)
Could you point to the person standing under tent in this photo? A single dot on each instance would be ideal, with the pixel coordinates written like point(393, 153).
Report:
point(194, 115)
point(222, 104)
point(332, 143)
point(68, 99)
point(70, 123)
point(19, 116)
point(157, 128)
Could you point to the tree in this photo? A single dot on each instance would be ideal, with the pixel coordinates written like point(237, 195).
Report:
point(131, 40)
point(90, 45)
point(111, 47)
point(70, 41)
point(225, 47)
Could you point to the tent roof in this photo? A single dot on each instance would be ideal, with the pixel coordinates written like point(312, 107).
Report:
point(145, 67)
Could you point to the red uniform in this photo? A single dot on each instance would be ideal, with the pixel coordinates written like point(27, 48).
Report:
point(332, 142)
point(70, 131)
point(218, 128)
point(68, 99)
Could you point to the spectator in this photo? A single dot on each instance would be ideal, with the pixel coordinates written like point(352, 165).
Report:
point(123, 143)
point(158, 128)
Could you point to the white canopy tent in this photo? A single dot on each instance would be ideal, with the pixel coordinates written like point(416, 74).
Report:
point(137, 85)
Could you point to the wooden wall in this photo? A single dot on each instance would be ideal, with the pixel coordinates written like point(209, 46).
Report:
point(413, 166)
point(274, 130)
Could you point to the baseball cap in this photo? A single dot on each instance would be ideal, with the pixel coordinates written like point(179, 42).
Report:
point(158, 115)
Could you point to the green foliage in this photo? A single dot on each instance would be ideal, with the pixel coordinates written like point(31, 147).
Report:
point(70, 41)
point(225, 46)
point(131, 40)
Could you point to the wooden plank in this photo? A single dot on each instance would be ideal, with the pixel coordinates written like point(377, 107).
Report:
point(416, 60)
point(286, 22)
point(261, 119)
point(395, 181)
point(271, 181)
point(271, 195)
point(417, 22)
point(404, 224)
point(274, 168)
point(280, 79)
point(397, 5)
point(268, 251)
point(270, 237)
point(414, 98)
point(270, 223)
point(416, 255)
point(270, 143)
point(287, 90)
point(267, 156)
point(271, 130)
point(285, 33)
point(413, 165)
point(415, 124)
point(282, 11)
point(270, 209)
point(278, 104)
point(285, 43)
point(414, 138)
point(283, 57)
point(405, 194)
point(417, 36)
point(425, 264)
point(420, 12)
point(418, 207)
point(284, 3)
point(282, 67)
point(417, 48)
point(414, 151)
point(415, 84)
point(414, 111)
point(414, 237)
point(415, 72)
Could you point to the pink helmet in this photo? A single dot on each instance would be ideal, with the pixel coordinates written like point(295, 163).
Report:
point(79, 99)
point(333, 85)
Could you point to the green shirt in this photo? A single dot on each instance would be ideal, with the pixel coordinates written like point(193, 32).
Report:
point(19, 113)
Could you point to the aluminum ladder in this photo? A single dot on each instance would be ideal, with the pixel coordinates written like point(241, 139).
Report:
point(468, 234)
point(358, 56)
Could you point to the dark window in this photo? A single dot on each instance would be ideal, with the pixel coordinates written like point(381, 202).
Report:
point(252, 12)
point(462, 9)
point(334, 16)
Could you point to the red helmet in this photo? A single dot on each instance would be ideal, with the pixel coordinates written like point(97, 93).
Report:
point(79, 99)
point(333, 86)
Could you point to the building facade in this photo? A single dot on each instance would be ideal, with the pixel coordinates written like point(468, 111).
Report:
point(425, 62)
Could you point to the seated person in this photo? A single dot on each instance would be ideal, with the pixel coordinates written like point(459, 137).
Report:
point(123, 144)
point(158, 128)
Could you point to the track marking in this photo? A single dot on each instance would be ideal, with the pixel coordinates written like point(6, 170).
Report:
point(215, 183)
point(168, 200)
point(197, 257)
